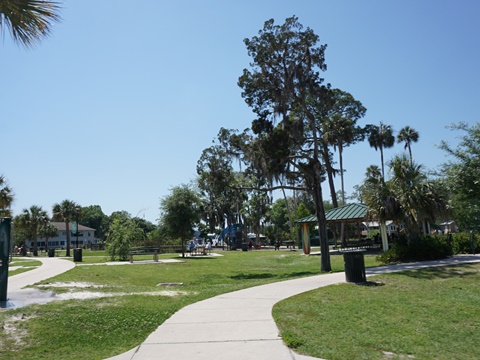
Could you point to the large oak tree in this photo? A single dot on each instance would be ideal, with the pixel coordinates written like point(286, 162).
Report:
point(285, 91)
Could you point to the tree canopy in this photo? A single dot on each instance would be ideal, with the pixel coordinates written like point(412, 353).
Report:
point(381, 137)
point(408, 135)
point(407, 197)
point(462, 174)
point(6, 198)
point(122, 235)
point(66, 211)
point(31, 220)
point(180, 212)
point(93, 216)
point(216, 183)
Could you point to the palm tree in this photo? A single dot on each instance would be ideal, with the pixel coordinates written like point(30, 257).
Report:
point(408, 135)
point(6, 198)
point(373, 172)
point(382, 203)
point(420, 200)
point(408, 197)
point(66, 211)
point(32, 219)
point(28, 20)
point(380, 137)
point(339, 124)
point(339, 132)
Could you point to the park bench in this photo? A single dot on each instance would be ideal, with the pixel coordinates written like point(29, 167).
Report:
point(288, 244)
point(144, 250)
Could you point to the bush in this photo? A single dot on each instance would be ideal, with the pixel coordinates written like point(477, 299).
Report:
point(395, 254)
point(462, 243)
point(122, 235)
point(424, 248)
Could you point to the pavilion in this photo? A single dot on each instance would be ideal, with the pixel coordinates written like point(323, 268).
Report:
point(351, 213)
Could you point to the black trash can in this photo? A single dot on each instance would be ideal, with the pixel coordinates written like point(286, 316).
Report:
point(77, 255)
point(244, 246)
point(51, 252)
point(354, 266)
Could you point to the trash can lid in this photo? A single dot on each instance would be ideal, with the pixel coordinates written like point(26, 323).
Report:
point(352, 251)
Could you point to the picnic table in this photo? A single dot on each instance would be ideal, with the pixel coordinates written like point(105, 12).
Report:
point(144, 250)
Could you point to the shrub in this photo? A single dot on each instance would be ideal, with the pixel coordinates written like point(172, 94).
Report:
point(424, 248)
point(462, 243)
point(122, 235)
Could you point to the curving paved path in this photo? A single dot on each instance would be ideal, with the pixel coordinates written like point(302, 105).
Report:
point(239, 325)
point(17, 296)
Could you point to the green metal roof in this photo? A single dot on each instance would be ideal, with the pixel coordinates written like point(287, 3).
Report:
point(346, 213)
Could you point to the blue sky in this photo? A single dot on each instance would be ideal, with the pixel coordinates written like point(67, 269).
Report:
point(115, 108)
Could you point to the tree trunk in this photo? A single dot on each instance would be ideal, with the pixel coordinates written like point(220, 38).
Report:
point(383, 167)
point(383, 232)
point(35, 245)
point(342, 226)
point(290, 214)
point(67, 228)
point(322, 224)
point(329, 168)
point(183, 247)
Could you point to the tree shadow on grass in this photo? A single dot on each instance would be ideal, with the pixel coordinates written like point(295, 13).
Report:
point(371, 283)
point(441, 272)
point(297, 274)
point(243, 276)
point(200, 257)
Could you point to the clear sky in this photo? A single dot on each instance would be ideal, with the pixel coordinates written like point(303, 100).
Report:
point(115, 108)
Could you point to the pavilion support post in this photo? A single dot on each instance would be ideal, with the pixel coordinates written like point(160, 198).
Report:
point(306, 239)
point(383, 232)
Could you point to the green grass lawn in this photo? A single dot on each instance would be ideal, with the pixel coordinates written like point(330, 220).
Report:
point(102, 327)
point(423, 314)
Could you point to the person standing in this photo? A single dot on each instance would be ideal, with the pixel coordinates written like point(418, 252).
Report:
point(209, 246)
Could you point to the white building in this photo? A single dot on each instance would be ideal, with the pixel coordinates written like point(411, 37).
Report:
point(86, 236)
point(375, 225)
point(449, 227)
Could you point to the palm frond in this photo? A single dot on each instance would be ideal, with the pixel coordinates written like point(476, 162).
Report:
point(28, 20)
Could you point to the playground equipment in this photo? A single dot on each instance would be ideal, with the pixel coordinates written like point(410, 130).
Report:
point(233, 236)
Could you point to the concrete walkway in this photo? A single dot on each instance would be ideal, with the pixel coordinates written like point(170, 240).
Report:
point(239, 325)
point(17, 296)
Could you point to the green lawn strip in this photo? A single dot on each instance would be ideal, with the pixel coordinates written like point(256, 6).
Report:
point(26, 264)
point(428, 314)
point(88, 329)
point(99, 328)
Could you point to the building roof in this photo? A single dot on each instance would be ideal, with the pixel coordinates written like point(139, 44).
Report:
point(376, 223)
point(61, 226)
point(346, 213)
point(446, 223)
